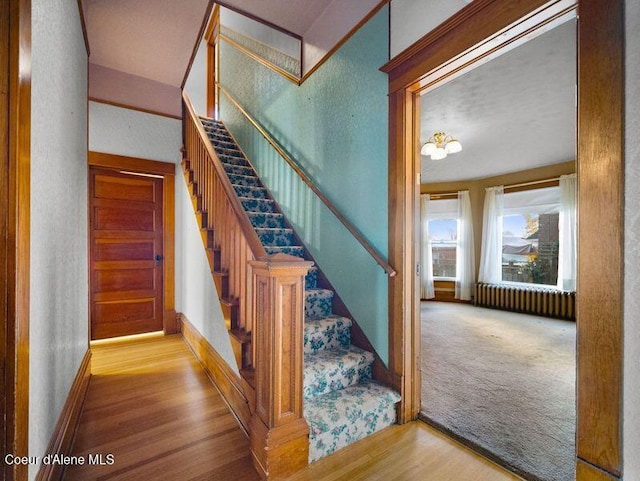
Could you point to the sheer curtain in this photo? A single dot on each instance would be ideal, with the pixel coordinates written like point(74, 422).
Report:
point(491, 259)
point(465, 252)
point(567, 232)
point(426, 263)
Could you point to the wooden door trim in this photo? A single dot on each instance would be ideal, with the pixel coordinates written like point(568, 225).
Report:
point(167, 171)
point(600, 192)
point(15, 165)
point(211, 37)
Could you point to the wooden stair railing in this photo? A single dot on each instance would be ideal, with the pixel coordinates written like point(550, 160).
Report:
point(263, 303)
point(228, 236)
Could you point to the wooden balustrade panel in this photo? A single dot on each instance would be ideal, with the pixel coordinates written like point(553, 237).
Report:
point(228, 236)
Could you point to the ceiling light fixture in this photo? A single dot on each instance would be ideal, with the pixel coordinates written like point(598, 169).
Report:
point(440, 145)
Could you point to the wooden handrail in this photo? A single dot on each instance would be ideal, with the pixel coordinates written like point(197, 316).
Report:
point(245, 224)
point(379, 258)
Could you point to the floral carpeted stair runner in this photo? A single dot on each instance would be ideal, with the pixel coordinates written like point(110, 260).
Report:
point(342, 403)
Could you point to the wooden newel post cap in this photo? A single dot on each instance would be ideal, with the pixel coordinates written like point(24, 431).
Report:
point(279, 262)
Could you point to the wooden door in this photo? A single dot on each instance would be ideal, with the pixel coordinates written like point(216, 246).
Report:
point(126, 253)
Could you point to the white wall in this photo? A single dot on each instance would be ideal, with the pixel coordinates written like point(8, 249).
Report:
point(631, 393)
point(120, 131)
point(196, 85)
point(59, 280)
point(127, 132)
point(198, 299)
point(412, 19)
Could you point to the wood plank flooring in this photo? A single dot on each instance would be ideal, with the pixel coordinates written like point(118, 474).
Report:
point(152, 407)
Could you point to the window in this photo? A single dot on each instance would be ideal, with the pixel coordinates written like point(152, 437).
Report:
point(443, 234)
point(530, 236)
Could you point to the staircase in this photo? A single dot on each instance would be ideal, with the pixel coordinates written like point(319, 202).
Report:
point(342, 403)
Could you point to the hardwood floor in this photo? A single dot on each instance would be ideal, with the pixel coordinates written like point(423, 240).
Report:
point(151, 406)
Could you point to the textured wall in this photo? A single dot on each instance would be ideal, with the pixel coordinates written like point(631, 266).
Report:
point(196, 85)
point(412, 19)
point(632, 247)
point(198, 299)
point(59, 284)
point(135, 134)
point(335, 125)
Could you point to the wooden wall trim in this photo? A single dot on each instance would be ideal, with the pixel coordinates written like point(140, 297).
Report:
point(131, 107)
point(465, 30)
point(601, 229)
point(236, 393)
point(113, 161)
point(83, 22)
point(262, 61)
point(64, 432)
point(167, 171)
point(15, 165)
point(600, 198)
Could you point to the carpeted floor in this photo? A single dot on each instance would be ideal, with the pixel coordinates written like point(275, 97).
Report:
point(504, 383)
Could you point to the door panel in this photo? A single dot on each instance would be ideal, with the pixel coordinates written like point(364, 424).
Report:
point(126, 238)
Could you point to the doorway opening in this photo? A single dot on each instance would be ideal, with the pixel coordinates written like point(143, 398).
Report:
point(476, 32)
point(500, 210)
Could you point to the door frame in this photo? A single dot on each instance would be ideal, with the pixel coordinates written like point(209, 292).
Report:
point(211, 37)
point(600, 168)
point(15, 165)
point(167, 171)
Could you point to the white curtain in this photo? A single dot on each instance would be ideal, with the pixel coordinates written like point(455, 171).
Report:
point(491, 258)
point(426, 262)
point(567, 231)
point(465, 251)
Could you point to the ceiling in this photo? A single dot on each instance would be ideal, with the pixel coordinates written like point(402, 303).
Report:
point(293, 15)
point(153, 39)
point(513, 113)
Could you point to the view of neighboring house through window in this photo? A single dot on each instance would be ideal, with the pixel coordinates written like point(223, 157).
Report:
point(443, 234)
point(530, 236)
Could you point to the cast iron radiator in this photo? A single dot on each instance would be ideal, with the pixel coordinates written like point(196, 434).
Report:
point(529, 300)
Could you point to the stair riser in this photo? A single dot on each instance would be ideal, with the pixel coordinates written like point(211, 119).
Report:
point(320, 335)
point(250, 192)
point(238, 170)
point(244, 180)
point(276, 238)
point(266, 221)
point(333, 378)
point(291, 250)
point(257, 205)
point(311, 279)
point(317, 305)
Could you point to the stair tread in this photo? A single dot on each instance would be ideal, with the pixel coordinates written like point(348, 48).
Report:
point(340, 418)
point(334, 369)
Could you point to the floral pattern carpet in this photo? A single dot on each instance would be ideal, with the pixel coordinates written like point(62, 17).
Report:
point(342, 403)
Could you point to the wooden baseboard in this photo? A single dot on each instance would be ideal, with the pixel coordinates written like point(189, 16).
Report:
point(588, 472)
point(64, 432)
point(223, 377)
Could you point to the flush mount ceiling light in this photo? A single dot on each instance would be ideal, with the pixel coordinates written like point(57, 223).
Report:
point(440, 145)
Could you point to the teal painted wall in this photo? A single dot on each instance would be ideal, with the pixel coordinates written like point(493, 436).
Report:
point(336, 126)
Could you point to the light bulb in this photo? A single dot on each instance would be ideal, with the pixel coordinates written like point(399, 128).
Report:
point(439, 154)
point(428, 148)
point(453, 147)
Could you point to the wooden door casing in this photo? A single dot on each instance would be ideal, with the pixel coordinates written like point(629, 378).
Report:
point(126, 236)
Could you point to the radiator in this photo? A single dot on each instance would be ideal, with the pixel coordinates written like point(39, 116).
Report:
point(529, 300)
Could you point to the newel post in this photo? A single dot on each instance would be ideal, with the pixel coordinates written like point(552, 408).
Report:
point(279, 433)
